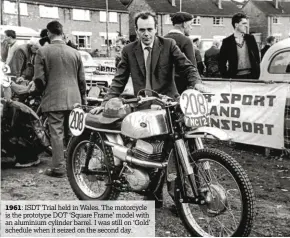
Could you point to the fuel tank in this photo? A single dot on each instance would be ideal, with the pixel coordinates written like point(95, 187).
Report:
point(144, 124)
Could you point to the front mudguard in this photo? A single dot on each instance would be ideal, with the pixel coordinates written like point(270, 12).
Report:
point(207, 132)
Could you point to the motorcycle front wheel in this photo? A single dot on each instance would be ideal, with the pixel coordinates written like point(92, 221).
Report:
point(87, 186)
point(227, 192)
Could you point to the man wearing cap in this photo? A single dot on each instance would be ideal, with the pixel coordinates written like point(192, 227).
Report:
point(181, 28)
point(22, 62)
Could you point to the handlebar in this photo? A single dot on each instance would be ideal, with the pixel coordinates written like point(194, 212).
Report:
point(162, 99)
point(132, 100)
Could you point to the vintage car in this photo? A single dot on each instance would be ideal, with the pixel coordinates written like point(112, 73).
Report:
point(275, 65)
point(91, 67)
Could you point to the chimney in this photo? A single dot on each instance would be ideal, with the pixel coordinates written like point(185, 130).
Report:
point(276, 3)
point(173, 3)
point(219, 4)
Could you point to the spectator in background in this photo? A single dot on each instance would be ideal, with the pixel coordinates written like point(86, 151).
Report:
point(120, 43)
point(22, 63)
point(270, 41)
point(198, 57)
point(181, 28)
point(239, 54)
point(10, 38)
point(211, 60)
point(44, 38)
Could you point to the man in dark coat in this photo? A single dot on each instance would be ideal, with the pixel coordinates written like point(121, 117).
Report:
point(239, 54)
point(211, 57)
point(59, 73)
point(157, 74)
point(181, 28)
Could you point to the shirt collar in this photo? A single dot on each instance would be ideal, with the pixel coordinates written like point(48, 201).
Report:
point(57, 42)
point(144, 46)
point(176, 31)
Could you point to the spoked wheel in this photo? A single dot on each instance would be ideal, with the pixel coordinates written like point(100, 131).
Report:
point(228, 207)
point(97, 183)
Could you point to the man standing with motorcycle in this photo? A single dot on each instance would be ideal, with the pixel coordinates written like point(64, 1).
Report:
point(59, 73)
point(150, 61)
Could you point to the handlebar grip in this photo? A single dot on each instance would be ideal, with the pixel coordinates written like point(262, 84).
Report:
point(132, 100)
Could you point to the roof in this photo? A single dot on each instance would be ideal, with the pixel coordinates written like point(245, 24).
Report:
point(269, 9)
point(114, 5)
point(195, 7)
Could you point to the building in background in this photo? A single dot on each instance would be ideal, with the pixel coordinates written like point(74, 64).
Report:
point(84, 21)
point(269, 18)
point(212, 18)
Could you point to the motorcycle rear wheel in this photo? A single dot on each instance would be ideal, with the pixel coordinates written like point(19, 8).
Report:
point(83, 184)
point(219, 192)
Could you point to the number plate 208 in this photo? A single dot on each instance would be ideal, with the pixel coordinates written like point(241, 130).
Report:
point(77, 121)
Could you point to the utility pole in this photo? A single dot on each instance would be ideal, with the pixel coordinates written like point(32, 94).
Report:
point(2, 10)
point(180, 7)
point(18, 12)
point(107, 26)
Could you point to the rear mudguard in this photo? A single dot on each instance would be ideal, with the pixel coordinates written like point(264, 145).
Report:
point(207, 132)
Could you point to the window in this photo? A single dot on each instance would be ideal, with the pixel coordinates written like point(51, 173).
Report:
point(196, 20)
point(112, 36)
point(81, 15)
point(167, 20)
point(276, 20)
point(48, 12)
point(113, 16)
point(218, 21)
point(11, 7)
point(280, 64)
point(83, 39)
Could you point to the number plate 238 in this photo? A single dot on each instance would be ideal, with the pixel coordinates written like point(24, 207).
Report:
point(195, 108)
point(77, 121)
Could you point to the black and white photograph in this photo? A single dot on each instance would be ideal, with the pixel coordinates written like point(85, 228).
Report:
point(153, 118)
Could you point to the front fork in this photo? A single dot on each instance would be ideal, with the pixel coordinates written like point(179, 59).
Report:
point(187, 169)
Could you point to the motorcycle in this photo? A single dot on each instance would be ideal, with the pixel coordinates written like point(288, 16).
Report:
point(20, 125)
point(211, 191)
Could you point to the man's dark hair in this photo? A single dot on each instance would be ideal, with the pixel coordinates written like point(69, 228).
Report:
point(10, 33)
point(144, 16)
point(43, 33)
point(237, 18)
point(55, 28)
point(270, 39)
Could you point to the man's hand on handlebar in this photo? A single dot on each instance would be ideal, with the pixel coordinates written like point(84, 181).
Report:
point(201, 88)
point(96, 110)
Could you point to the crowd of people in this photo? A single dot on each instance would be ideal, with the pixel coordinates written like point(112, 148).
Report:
point(169, 65)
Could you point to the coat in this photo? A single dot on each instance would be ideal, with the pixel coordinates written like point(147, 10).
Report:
point(59, 72)
point(211, 57)
point(229, 55)
point(186, 46)
point(165, 54)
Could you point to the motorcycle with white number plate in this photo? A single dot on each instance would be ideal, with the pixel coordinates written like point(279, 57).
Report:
point(211, 191)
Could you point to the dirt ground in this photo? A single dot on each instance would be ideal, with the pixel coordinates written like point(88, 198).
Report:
point(270, 178)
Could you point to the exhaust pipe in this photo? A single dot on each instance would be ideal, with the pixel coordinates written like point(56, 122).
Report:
point(121, 152)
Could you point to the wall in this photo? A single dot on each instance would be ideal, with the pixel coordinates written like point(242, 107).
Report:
point(34, 21)
point(282, 28)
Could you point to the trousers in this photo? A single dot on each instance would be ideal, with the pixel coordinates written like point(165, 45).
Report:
point(58, 128)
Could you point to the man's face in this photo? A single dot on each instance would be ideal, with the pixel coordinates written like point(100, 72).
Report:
point(8, 39)
point(34, 48)
point(242, 26)
point(187, 27)
point(146, 30)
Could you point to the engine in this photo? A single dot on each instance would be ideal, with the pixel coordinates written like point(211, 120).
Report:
point(148, 150)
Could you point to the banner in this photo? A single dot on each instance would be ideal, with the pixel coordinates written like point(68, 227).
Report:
point(251, 113)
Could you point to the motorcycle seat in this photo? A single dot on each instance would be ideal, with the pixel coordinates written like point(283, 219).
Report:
point(95, 121)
